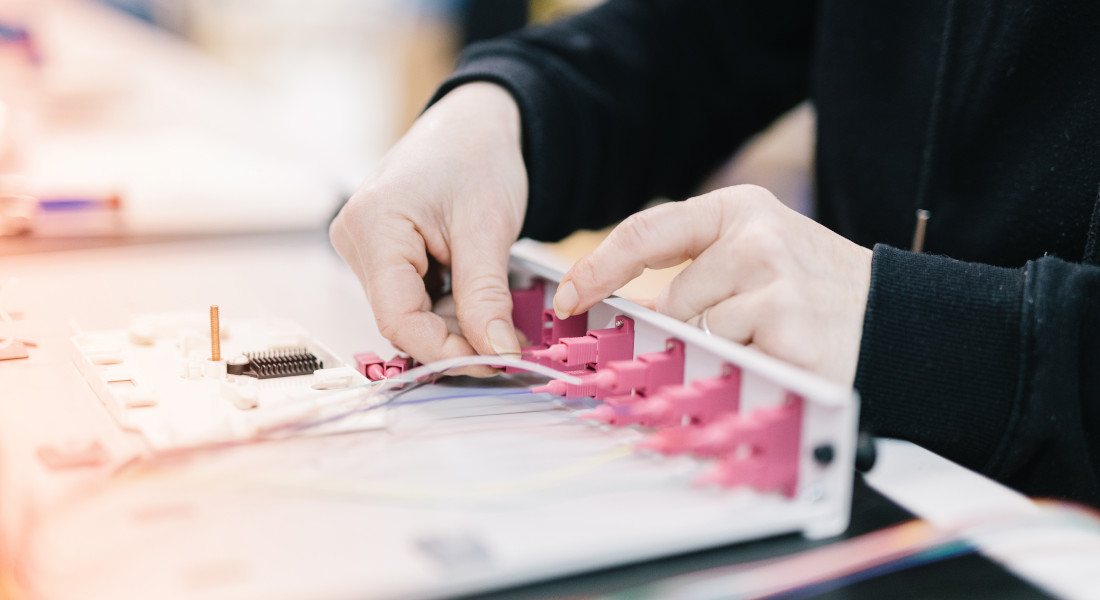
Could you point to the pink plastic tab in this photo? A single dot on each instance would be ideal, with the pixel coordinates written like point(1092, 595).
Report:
point(528, 306)
point(554, 329)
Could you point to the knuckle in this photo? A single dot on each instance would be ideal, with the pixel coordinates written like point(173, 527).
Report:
point(746, 200)
point(484, 287)
point(717, 199)
point(753, 193)
point(636, 231)
point(760, 241)
point(492, 223)
point(713, 206)
point(480, 294)
point(377, 201)
point(354, 218)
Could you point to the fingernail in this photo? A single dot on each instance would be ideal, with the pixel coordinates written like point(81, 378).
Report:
point(565, 301)
point(502, 338)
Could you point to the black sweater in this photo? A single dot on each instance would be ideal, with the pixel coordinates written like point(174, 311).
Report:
point(986, 348)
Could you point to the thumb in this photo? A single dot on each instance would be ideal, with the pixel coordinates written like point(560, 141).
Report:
point(479, 281)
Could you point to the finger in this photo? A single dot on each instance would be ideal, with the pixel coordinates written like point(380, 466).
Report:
point(660, 237)
point(709, 279)
point(445, 308)
point(392, 261)
point(735, 318)
point(339, 234)
point(479, 280)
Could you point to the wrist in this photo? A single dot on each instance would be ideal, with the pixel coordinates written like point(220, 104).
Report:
point(941, 351)
point(488, 104)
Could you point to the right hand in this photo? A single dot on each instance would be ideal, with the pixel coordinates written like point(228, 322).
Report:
point(453, 188)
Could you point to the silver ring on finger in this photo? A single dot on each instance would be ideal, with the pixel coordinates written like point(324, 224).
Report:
point(703, 321)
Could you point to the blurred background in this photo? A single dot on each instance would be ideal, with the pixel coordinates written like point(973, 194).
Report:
point(123, 121)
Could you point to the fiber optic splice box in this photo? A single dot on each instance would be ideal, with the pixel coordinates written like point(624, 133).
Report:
point(668, 441)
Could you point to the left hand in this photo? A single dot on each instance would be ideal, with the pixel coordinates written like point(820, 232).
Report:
point(770, 277)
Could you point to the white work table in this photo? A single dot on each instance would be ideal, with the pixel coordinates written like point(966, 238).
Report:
point(44, 400)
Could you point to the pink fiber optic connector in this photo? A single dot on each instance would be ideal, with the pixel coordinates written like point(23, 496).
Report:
point(398, 365)
point(597, 348)
point(627, 379)
point(374, 368)
point(553, 330)
point(370, 365)
point(587, 388)
point(759, 449)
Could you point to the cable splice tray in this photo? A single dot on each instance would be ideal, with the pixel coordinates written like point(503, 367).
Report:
point(157, 377)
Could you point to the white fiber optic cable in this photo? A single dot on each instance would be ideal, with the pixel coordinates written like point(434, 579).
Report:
point(368, 391)
point(441, 366)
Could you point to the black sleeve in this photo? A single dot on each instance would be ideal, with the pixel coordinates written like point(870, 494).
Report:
point(641, 98)
point(997, 369)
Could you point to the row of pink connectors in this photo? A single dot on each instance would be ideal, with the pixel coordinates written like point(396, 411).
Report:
point(758, 449)
point(375, 369)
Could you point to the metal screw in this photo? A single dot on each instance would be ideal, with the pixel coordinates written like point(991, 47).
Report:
point(824, 454)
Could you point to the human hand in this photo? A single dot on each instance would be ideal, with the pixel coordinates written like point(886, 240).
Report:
point(454, 189)
point(765, 275)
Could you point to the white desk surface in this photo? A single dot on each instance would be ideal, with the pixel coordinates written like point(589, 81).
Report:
point(45, 400)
